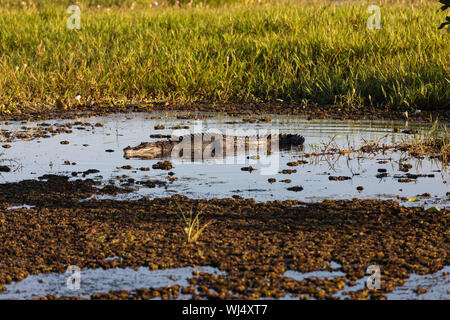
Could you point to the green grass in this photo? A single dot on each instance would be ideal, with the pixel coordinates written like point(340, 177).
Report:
point(224, 51)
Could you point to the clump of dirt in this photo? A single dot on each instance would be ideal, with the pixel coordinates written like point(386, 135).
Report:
point(43, 130)
point(296, 188)
point(163, 165)
point(53, 190)
point(339, 178)
point(5, 169)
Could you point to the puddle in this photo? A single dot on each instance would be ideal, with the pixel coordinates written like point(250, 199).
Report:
point(103, 281)
point(24, 206)
point(91, 149)
point(321, 274)
point(437, 284)
point(99, 280)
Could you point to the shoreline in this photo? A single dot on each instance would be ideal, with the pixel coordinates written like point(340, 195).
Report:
point(247, 109)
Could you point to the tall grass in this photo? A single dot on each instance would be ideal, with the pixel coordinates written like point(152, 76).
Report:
point(306, 52)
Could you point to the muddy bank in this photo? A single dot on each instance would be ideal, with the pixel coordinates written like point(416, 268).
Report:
point(254, 243)
point(240, 109)
point(54, 190)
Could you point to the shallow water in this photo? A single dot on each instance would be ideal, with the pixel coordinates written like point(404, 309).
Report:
point(437, 285)
point(321, 274)
point(86, 150)
point(208, 179)
point(98, 280)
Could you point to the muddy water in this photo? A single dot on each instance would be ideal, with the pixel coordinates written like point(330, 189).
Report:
point(91, 281)
point(209, 179)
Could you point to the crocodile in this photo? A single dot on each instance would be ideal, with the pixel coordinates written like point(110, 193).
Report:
point(210, 145)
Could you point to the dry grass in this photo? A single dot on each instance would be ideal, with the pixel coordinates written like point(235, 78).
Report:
point(192, 226)
point(434, 142)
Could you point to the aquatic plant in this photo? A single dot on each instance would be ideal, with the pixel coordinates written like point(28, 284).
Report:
point(192, 227)
point(435, 141)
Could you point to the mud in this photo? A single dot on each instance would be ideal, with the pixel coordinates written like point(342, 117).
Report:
point(249, 110)
point(254, 243)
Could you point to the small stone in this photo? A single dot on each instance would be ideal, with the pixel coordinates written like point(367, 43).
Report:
point(163, 165)
point(5, 169)
point(340, 178)
point(421, 290)
point(288, 171)
point(296, 188)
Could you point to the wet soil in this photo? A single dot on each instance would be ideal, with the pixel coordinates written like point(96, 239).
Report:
point(254, 243)
point(54, 189)
point(248, 110)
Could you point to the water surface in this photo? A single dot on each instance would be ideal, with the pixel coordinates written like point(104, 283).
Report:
point(207, 179)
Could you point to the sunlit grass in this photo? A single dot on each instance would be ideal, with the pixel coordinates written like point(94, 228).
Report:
point(225, 51)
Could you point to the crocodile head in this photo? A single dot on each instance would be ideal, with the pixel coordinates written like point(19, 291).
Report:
point(148, 150)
